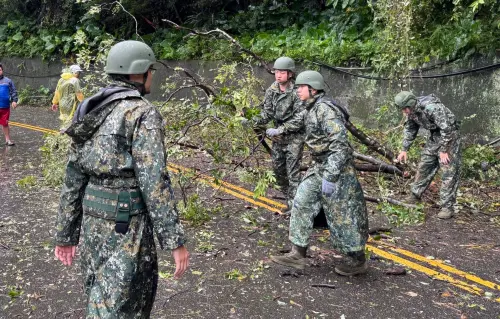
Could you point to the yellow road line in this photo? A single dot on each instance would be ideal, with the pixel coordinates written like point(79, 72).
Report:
point(443, 266)
point(428, 271)
point(229, 185)
point(31, 126)
point(177, 169)
point(231, 189)
point(35, 128)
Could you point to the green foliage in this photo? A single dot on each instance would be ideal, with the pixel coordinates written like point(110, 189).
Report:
point(235, 274)
point(14, 292)
point(54, 158)
point(25, 38)
point(204, 245)
point(389, 35)
point(193, 211)
point(27, 182)
point(400, 216)
point(266, 179)
point(480, 162)
point(36, 97)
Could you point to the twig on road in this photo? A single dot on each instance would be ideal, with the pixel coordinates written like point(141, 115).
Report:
point(389, 200)
point(175, 294)
point(323, 286)
point(4, 246)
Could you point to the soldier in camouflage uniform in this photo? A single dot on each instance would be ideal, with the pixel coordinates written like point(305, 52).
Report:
point(441, 150)
point(282, 106)
point(117, 191)
point(331, 184)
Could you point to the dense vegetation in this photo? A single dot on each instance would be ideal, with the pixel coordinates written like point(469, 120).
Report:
point(391, 36)
point(385, 34)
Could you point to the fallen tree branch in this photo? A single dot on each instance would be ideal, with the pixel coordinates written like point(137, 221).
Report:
point(381, 165)
point(389, 200)
point(493, 142)
point(383, 168)
point(261, 136)
point(370, 142)
point(228, 37)
point(209, 91)
point(251, 153)
point(361, 136)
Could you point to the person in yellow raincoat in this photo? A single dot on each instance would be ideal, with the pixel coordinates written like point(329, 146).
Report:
point(68, 93)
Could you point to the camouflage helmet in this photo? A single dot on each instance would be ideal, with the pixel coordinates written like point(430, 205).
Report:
point(312, 78)
point(284, 63)
point(129, 57)
point(405, 99)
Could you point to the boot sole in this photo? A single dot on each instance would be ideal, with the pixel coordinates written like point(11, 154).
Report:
point(445, 217)
point(354, 273)
point(293, 265)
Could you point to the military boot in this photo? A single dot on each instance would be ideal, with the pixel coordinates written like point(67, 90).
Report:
point(354, 264)
point(296, 258)
point(445, 213)
point(412, 199)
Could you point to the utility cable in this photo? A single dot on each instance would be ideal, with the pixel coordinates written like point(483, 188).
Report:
point(334, 68)
point(492, 66)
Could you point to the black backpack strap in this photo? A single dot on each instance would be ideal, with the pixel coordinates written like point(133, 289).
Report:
point(336, 106)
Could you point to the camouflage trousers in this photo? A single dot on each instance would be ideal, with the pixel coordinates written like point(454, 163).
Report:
point(429, 166)
point(121, 270)
point(345, 212)
point(286, 157)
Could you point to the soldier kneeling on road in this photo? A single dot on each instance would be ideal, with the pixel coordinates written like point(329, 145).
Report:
point(442, 148)
point(330, 183)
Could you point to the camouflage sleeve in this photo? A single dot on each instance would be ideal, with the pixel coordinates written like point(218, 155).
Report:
point(296, 122)
point(340, 152)
point(409, 133)
point(267, 112)
point(446, 127)
point(69, 217)
point(150, 166)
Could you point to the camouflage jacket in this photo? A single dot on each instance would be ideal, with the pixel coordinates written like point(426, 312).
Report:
point(283, 108)
point(326, 136)
point(119, 144)
point(430, 114)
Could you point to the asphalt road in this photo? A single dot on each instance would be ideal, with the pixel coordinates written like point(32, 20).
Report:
point(452, 268)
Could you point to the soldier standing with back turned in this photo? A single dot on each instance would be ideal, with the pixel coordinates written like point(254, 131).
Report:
point(117, 190)
point(442, 148)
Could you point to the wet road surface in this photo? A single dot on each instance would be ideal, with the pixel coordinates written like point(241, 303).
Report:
point(453, 267)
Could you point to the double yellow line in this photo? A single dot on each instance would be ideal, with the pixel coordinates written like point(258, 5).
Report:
point(34, 128)
point(469, 285)
point(440, 271)
point(231, 189)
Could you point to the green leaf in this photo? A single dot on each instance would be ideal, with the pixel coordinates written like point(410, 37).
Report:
point(17, 37)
